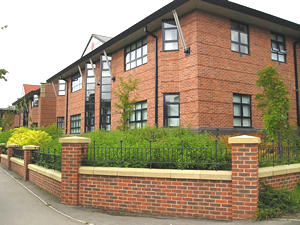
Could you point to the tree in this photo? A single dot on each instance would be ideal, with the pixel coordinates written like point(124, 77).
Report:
point(3, 72)
point(7, 119)
point(126, 102)
point(274, 102)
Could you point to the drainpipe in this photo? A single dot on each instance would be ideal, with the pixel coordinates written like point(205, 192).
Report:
point(156, 74)
point(296, 81)
point(67, 103)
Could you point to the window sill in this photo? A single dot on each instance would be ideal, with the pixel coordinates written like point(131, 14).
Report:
point(175, 50)
point(240, 53)
point(75, 91)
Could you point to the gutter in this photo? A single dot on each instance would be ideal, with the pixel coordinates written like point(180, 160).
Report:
point(296, 81)
point(156, 74)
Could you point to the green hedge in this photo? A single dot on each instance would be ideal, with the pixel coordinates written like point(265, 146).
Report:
point(166, 149)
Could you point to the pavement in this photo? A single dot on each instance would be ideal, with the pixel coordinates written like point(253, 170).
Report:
point(23, 203)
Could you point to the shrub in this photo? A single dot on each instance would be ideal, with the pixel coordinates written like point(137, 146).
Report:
point(5, 135)
point(25, 136)
point(273, 203)
point(170, 148)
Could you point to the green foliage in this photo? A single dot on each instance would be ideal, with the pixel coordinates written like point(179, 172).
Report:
point(3, 72)
point(5, 135)
point(274, 102)
point(166, 146)
point(7, 120)
point(126, 102)
point(274, 203)
point(25, 136)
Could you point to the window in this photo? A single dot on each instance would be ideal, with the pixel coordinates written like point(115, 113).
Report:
point(60, 122)
point(138, 118)
point(35, 101)
point(170, 36)
point(278, 48)
point(75, 124)
point(241, 110)
point(61, 87)
point(76, 82)
point(239, 38)
point(90, 98)
point(136, 54)
point(171, 110)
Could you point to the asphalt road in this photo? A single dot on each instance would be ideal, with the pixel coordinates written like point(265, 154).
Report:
point(18, 206)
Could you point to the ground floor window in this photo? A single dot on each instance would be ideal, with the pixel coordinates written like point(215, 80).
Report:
point(60, 122)
point(105, 118)
point(138, 118)
point(242, 110)
point(171, 110)
point(75, 124)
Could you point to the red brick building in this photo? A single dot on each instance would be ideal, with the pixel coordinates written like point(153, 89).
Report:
point(37, 107)
point(198, 71)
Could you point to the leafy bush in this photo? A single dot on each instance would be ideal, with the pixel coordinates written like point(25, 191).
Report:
point(25, 136)
point(5, 135)
point(170, 148)
point(273, 203)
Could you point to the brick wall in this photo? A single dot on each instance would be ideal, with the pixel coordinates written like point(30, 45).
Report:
point(157, 196)
point(282, 181)
point(48, 184)
point(33, 114)
point(18, 169)
point(4, 162)
point(47, 105)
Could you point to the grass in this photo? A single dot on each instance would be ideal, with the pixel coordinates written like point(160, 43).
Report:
point(274, 203)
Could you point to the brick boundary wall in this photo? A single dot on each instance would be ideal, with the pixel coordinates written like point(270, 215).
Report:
point(46, 183)
point(158, 196)
point(225, 195)
point(288, 181)
point(4, 162)
point(17, 169)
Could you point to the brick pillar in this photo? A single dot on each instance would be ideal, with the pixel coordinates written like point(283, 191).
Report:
point(244, 176)
point(72, 152)
point(10, 148)
point(28, 149)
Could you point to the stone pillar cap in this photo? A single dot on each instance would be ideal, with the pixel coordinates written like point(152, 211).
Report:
point(12, 146)
point(30, 147)
point(74, 140)
point(244, 139)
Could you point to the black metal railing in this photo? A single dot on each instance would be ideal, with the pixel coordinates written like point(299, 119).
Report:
point(273, 154)
point(183, 157)
point(48, 158)
point(18, 153)
point(4, 151)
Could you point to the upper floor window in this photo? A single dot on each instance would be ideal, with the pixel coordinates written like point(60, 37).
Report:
point(61, 87)
point(35, 101)
point(136, 54)
point(278, 48)
point(241, 110)
point(171, 110)
point(76, 82)
point(239, 38)
point(60, 122)
point(138, 118)
point(90, 83)
point(170, 36)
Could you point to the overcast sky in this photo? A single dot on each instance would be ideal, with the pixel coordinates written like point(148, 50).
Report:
point(44, 37)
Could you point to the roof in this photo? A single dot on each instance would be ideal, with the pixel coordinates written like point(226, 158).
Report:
point(153, 22)
point(95, 41)
point(29, 88)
